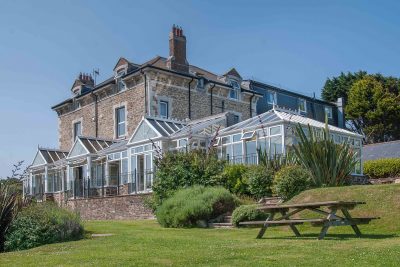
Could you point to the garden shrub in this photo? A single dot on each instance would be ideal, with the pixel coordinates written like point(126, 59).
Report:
point(382, 168)
point(290, 181)
point(181, 169)
point(247, 213)
point(233, 178)
point(260, 180)
point(191, 206)
point(43, 223)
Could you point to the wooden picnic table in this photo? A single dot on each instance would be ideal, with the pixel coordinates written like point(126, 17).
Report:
point(330, 218)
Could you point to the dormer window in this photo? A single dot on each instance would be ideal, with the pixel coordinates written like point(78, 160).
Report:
point(121, 86)
point(234, 93)
point(200, 84)
point(302, 105)
point(271, 97)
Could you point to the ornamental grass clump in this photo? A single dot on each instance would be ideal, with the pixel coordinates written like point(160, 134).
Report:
point(195, 206)
point(329, 164)
point(9, 207)
point(43, 223)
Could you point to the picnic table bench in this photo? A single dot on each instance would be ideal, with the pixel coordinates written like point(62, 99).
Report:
point(330, 218)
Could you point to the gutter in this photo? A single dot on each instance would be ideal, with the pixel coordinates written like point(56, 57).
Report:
point(190, 108)
point(145, 91)
point(211, 100)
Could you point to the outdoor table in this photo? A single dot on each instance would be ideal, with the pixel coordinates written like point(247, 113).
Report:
point(330, 218)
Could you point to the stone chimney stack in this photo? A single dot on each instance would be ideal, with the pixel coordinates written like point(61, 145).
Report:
point(83, 80)
point(177, 50)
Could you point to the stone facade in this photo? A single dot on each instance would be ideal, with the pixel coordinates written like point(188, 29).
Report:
point(124, 207)
point(132, 98)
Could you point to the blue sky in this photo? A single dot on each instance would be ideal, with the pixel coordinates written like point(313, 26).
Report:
point(295, 44)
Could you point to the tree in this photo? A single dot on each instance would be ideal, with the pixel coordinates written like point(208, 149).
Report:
point(374, 108)
point(339, 86)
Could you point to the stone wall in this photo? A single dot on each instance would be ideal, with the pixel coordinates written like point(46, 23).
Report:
point(174, 89)
point(125, 207)
point(132, 99)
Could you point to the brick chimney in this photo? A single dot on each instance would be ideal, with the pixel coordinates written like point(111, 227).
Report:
point(177, 50)
point(83, 81)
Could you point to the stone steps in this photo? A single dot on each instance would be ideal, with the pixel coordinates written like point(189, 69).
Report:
point(226, 222)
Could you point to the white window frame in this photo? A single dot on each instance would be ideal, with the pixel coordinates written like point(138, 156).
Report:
point(328, 114)
point(119, 80)
point(235, 88)
point(116, 109)
point(305, 105)
point(273, 94)
point(167, 105)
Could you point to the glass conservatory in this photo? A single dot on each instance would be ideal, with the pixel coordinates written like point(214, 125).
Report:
point(274, 132)
point(96, 167)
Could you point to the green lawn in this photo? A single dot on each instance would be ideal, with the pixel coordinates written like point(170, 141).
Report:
point(145, 243)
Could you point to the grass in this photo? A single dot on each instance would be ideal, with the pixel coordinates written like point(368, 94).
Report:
point(145, 243)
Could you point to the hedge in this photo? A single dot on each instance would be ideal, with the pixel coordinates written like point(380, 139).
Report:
point(195, 206)
point(382, 168)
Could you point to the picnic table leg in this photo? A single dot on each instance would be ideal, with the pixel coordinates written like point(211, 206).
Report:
point(292, 226)
point(324, 230)
point(265, 226)
point(348, 217)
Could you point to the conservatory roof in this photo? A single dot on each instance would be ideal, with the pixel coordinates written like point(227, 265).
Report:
point(48, 156)
point(206, 126)
point(115, 147)
point(274, 115)
point(88, 145)
point(165, 127)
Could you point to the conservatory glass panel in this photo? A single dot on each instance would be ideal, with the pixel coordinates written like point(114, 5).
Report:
point(124, 171)
point(78, 150)
point(263, 145)
point(38, 160)
point(247, 135)
point(276, 145)
point(262, 133)
point(144, 132)
point(236, 137)
point(237, 153)
point(226, 140)
point(275, 130)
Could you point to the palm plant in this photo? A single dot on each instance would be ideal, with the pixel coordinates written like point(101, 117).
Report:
point(330, 164)
point(274, 161)
point(9, 206)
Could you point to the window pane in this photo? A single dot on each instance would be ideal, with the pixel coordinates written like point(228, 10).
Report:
point(251, 148)
point(276, 145)
point(236, 137)
point(226, 140)
point(121, 114)
point(121, 129)
point(164, 109)
point(275, 130)
point(263, 145)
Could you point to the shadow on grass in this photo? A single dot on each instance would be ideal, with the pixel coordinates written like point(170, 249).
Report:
point(333, 236)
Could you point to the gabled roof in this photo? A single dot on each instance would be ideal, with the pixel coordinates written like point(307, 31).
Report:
point(124, 61)
point(48, 156)
point(88, 145)
point(233, 72)
point(151, 127)
point(273, 116)
point(381, 150)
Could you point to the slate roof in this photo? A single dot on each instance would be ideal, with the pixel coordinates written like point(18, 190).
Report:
point(52, 155)
point(94, 145)
point(381, 150)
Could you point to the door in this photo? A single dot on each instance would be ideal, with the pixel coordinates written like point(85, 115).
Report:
point(140, 172)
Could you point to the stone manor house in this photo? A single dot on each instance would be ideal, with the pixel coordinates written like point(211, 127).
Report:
point(109, 133)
